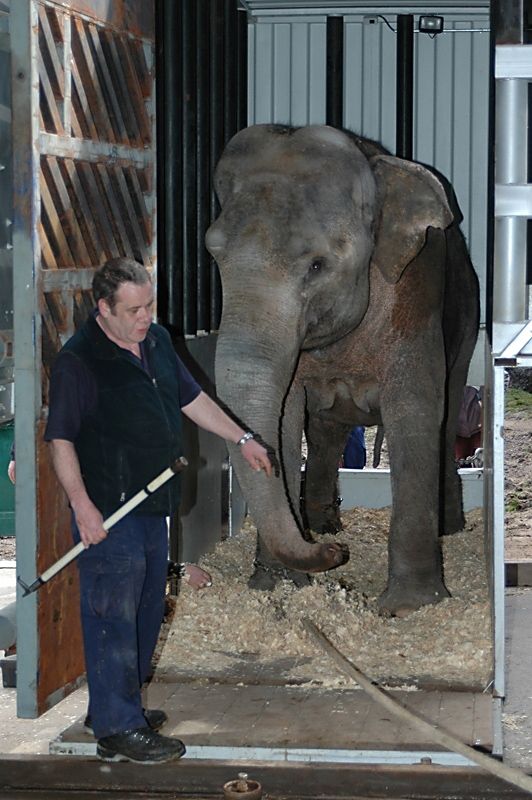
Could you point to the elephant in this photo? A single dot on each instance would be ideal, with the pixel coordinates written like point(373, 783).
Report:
point(349, 298)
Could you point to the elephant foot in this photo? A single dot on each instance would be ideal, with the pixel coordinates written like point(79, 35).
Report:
point(400, 601)
point(453, 522)
point(266, 577)
point(324, 519)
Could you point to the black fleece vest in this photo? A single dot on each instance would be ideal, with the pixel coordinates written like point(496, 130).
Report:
point(135, 431)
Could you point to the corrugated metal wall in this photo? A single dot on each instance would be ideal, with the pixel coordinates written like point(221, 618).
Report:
point(287, 84)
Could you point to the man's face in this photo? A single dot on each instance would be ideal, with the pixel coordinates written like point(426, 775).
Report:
point(128, 321)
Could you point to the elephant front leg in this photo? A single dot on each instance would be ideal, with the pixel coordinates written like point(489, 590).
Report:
point(321, 504)
point(415, 569)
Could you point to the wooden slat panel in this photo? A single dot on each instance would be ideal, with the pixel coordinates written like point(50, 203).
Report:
point(90, 230)
point(114, 109)
point(81, 105)
point(48, 258)
point(89, 76)
point(48, 47)
point(65, 257)
point(66, 211)
point(119, 71)
point(136, 235)
point(50, 116)
point(141, 67)
point(121, 233)
point(134, 86)
point(137, 198)
point(99, 210)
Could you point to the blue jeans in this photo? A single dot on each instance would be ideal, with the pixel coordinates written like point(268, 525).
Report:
point(122, 587)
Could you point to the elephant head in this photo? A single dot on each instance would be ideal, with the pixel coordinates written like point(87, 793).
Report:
point(303, 213)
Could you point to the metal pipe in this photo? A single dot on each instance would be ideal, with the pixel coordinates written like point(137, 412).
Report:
point(203, 278)
point(230, 69)
point(405, 86)
point(242, 70)
point(511, 167)
point(169, 176)
point(188, 219)
point(216, 140)
point(334, 114)
point(507, 21)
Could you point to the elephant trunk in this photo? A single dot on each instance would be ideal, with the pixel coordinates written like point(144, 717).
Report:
point(253, 378)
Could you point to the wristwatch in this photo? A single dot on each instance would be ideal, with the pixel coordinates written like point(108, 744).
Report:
point(245, 438)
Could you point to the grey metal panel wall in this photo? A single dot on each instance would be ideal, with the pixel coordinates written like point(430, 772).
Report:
point(287, 85)
point(286, 77)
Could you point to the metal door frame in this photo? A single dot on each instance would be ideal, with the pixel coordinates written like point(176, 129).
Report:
point(31, 280)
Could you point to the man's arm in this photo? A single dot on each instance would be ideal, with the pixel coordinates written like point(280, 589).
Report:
point(88, 518)
point(208, 415)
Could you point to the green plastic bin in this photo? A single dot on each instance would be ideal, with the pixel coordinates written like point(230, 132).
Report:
point(7, 490)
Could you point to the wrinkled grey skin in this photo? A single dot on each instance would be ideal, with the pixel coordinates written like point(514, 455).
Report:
point(349, 299)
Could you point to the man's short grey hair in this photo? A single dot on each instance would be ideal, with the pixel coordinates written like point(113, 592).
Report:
point(109, 277)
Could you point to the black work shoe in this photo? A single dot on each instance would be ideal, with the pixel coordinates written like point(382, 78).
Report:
point(143, 746)
point(155, 719)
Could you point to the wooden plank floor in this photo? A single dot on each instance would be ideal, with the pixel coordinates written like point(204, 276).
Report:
point(296, 717)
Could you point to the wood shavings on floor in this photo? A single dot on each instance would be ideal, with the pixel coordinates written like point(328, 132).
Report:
point(232, 633)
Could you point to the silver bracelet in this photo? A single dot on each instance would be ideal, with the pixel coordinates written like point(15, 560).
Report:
point(245, 438)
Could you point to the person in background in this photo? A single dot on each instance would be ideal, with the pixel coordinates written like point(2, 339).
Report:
point(117, 395)
point(355, 449)
point(11, 465)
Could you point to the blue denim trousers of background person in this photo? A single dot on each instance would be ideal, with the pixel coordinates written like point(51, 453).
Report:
point(122, 588)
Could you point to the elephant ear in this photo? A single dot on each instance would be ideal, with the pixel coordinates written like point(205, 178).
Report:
point(411, 200)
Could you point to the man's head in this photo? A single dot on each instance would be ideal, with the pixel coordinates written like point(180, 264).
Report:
point(124, 296)
point(112, 274)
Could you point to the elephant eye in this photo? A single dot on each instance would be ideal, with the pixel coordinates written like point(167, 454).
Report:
point(317, 264)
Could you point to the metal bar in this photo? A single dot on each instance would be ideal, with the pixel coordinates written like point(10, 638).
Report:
point(203, 173)
point(335, 72)
point(507, 21)
point(26, 250)
point(230, 69)
point(498, 529)
point(518, 343)
point(513, 61)
point(188, 220)
point(514, 200)
point(405, 86)
point(509, 278)
point(242, 70)
point(216, 139)
point(170, 177)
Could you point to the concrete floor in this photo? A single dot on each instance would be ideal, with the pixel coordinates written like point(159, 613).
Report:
point(34, 736)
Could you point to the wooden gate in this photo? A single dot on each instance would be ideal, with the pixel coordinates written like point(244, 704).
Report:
point(84, 191)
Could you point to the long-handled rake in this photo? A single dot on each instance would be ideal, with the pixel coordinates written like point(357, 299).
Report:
point(135, 501)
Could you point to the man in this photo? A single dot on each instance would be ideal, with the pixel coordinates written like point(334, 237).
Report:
point(117, 393)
